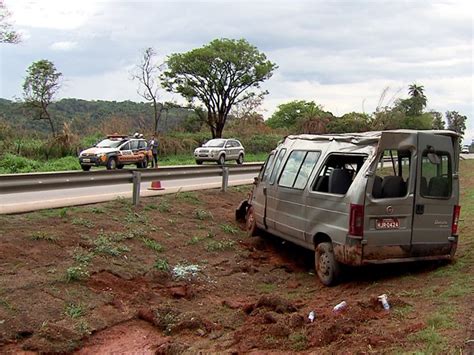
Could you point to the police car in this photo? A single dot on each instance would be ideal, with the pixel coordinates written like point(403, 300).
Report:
point(116, 151)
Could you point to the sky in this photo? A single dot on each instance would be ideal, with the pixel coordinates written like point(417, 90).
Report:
point(341, 54)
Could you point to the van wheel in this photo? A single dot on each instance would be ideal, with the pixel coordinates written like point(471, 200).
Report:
point(250, 223)
point(327, 267)
point(112, 164)
point(241, 159)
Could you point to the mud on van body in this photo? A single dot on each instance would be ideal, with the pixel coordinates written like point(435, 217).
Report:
point(362, 198)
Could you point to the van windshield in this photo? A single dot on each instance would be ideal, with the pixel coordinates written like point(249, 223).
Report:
point(436, 175)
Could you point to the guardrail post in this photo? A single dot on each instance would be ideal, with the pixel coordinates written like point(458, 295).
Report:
point(136, 180)
point(225, 179)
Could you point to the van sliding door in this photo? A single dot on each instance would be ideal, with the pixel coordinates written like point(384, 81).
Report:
point(435, 197)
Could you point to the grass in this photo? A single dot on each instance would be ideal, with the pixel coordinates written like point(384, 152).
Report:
point(76, 273)
point(106, 246)
point(161, 264)
point(229, 229)
point(74, 310)
point(152, 244)
point(298, 341)
point(267, 287)
point(164, 206)
point(203, 214)
point(188, 196)
point(220, 245)
point(43, 236)
point(83, 222)
point(82, 257)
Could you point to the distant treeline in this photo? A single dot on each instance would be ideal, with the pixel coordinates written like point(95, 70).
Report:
point(89, 117)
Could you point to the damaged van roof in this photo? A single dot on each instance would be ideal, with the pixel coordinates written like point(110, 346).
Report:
point(367, 137)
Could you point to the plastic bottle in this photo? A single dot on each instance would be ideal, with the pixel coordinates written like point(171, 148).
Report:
point(340, 306)
point(384, 301)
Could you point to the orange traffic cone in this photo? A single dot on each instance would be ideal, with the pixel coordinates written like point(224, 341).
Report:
point(156, 185)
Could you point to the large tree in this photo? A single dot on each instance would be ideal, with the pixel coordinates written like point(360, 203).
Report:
point(7, 33)
point(219, 75)
point(146, 73)
point(292, 114)
point(456, 122)
point(41, 84)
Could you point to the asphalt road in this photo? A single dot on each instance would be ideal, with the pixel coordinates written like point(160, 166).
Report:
point(31, 201)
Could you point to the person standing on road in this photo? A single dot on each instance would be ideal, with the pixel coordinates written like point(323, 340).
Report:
point(153, 144)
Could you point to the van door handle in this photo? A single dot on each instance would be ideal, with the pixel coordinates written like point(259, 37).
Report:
point(420, 209)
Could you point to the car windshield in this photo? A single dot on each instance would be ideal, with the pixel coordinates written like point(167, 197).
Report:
point(214, 143)
point(109, 143)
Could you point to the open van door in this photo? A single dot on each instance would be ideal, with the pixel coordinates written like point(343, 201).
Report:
point(436, 195)
point(259, 195)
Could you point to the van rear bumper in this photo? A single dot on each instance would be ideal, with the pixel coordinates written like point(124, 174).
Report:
point(356, 253)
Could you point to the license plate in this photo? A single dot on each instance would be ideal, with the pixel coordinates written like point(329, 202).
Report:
point(387, 223)
point(86, 160)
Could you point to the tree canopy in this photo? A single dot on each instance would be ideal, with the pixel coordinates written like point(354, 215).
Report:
point(41, 84)
point(218, 75)
point(293, 113)
point(7, 33)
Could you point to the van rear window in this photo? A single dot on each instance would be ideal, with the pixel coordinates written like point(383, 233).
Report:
point(393, 174)
point(436, 175)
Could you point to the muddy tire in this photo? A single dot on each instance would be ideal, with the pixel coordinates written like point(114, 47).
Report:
point(327, 267)
point(86, 167)
point(240, 160)
point(112, 164)
point(250, 223)
point(221, 160)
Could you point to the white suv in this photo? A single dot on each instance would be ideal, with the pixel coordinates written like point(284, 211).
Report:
point(220, 150)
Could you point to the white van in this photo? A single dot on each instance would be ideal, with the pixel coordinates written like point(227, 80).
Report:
point(362, 198)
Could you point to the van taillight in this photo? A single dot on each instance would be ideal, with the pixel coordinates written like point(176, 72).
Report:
point(356, 220)
point(454, 226)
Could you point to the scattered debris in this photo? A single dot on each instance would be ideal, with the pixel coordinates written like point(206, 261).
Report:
point(384, 301)
point(311, 316)
point(185, 272)
point(340, 306)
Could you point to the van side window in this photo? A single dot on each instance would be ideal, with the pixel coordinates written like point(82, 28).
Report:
point(276, 167)
point(436, 176)
point(267, 168)
point(392, 174)
point(338, 172)
point(298, 168)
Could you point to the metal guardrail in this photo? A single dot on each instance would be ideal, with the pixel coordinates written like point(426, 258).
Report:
point(15, 183)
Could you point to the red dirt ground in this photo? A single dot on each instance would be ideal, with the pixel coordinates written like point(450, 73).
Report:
point(249, 294)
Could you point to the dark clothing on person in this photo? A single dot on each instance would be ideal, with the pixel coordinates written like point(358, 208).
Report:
point(153, 144)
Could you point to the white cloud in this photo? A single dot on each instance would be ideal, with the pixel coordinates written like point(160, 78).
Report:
point(63, 46)
point(58, 14)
